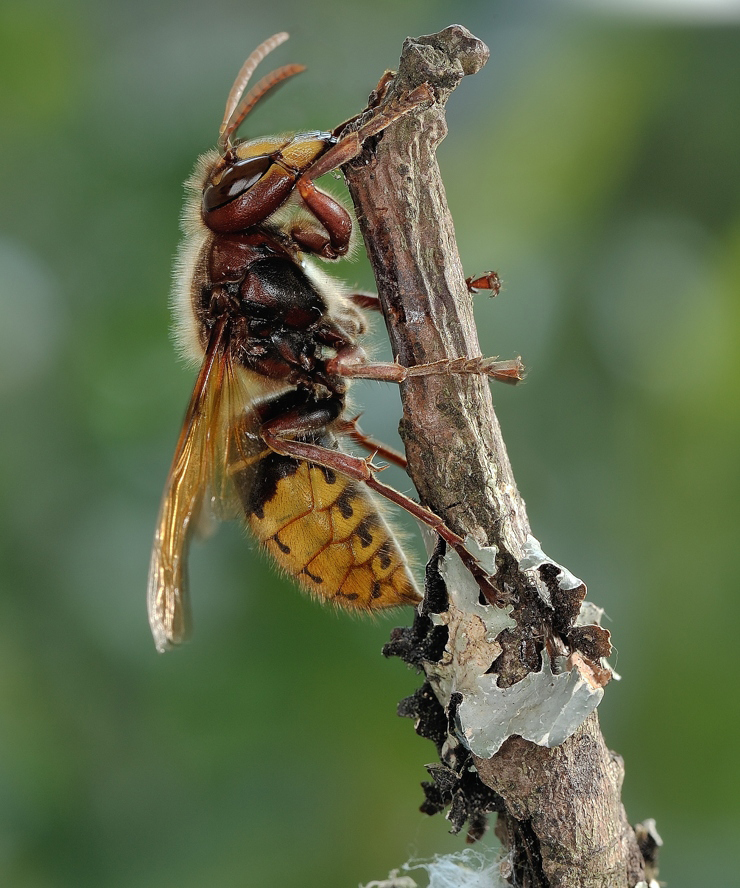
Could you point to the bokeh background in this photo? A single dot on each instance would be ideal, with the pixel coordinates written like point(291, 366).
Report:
point(593, 162)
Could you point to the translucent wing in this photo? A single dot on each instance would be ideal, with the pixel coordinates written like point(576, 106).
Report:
point(198, 478)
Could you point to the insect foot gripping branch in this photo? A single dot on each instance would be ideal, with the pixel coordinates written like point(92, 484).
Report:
point(277, 341)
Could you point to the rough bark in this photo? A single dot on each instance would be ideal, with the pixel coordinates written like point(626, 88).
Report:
point(562, 818)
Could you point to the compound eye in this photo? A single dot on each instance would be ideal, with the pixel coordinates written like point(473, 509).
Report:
point(238, 178)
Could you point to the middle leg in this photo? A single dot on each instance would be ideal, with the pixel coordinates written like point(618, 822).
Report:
point(352, 363)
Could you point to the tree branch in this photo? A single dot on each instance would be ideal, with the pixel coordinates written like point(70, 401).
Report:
point(560, 811)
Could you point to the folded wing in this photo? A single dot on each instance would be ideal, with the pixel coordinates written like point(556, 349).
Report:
point(197, 480)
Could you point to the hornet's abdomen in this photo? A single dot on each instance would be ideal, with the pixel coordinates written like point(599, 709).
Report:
point(325, 530)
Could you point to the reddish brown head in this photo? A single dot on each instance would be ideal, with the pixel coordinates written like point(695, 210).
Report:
point(252, 179)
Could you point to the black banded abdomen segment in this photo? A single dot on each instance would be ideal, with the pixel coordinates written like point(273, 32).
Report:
point(327, 532)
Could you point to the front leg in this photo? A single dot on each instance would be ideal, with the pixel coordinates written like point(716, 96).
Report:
point(329, 212)
point(331, 240)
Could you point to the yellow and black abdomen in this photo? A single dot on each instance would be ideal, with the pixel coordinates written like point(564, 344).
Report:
point(325, 530)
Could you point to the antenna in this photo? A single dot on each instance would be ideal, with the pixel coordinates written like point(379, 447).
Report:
point(254, 96)
point(242, 79)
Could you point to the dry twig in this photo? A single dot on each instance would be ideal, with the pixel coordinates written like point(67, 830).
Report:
point(560, 811)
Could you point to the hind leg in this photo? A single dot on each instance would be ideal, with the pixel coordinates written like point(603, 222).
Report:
point(279, 435)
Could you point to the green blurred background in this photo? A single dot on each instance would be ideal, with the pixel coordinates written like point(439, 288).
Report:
point(593, 163)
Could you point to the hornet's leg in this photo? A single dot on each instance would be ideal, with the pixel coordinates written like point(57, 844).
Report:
point(489, 280)
point(351, 429)
point(329, 212)
point(278, 434)
point(352, 363)
point(370, 301)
